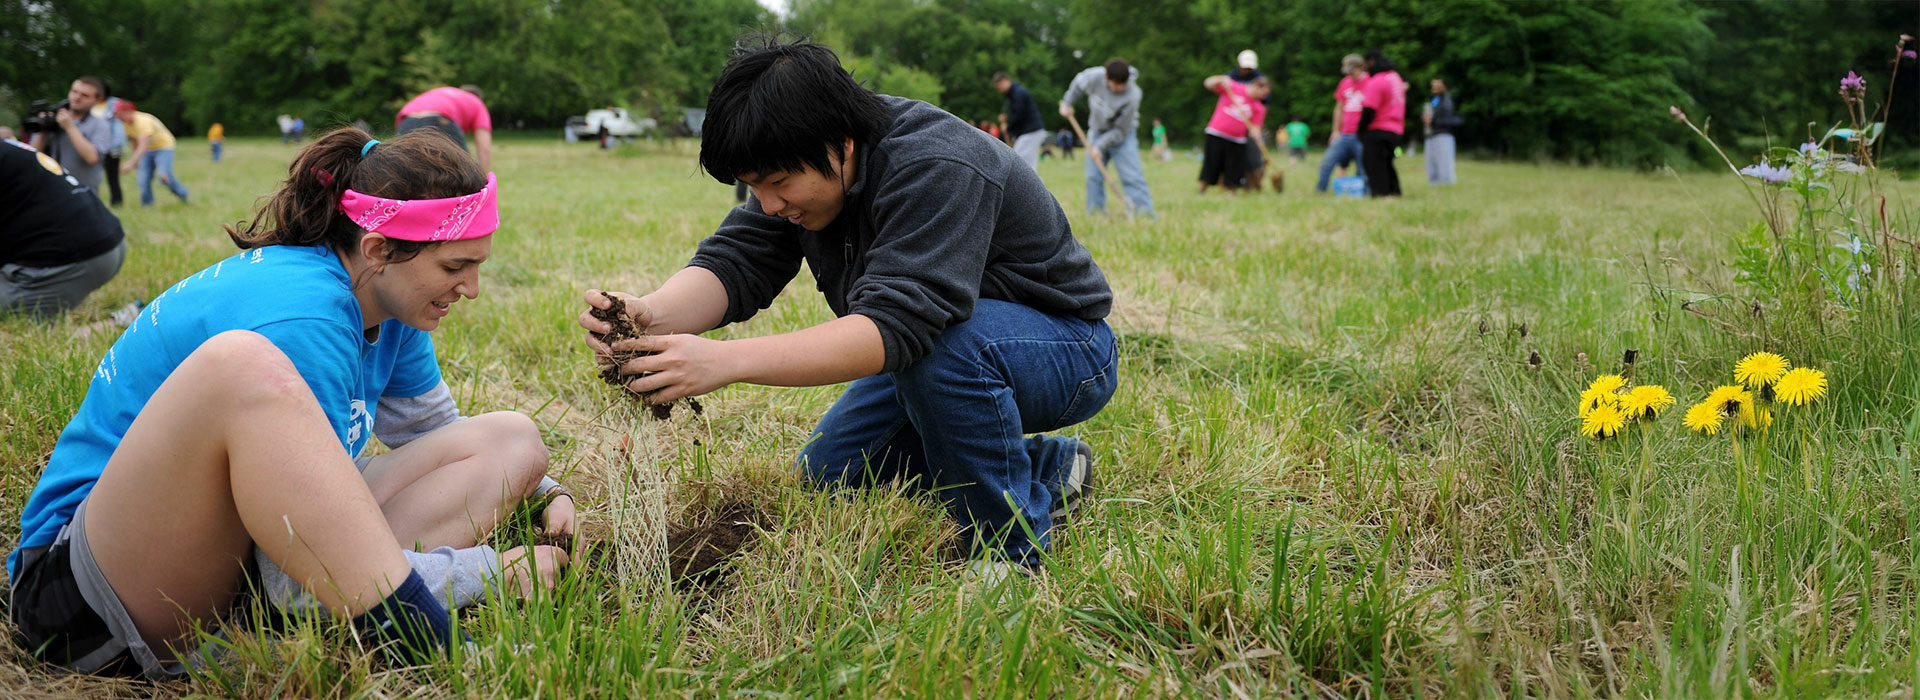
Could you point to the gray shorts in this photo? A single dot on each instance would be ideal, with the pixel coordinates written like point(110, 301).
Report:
point(66, 613)
point(45, 291)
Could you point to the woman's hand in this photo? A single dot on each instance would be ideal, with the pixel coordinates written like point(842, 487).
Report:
point(559, 517)
point(527, 569)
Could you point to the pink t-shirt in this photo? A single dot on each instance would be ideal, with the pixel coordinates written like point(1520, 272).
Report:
point(464, 108)
point(1228, 115)
point(1349, 97)
point(1386, 94)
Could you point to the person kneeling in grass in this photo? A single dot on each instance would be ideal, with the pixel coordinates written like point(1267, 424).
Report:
point(228, 416)
point(968, 316)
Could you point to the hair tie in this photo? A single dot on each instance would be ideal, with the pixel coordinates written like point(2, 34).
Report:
point(326, 178)
point(370, 144)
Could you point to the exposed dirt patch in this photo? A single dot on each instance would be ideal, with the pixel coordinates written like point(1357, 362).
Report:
point(700, 551)
point(623, 328)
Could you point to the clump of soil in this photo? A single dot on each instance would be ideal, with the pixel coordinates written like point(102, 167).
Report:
point(700, 553)
point(623, 328)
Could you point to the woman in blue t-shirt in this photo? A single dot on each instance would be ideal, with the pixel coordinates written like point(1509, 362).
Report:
point(218, 439)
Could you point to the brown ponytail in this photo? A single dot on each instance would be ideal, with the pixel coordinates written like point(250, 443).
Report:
point(306, 211)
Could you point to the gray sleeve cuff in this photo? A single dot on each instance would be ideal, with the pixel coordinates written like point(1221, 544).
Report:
point(400, 420)
point(546, 484)
point(458, 577)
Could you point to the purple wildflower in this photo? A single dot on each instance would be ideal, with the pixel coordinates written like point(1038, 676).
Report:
point(1853, 81)
point(1767, 173)
point(1808, 148)
point(1909, 53)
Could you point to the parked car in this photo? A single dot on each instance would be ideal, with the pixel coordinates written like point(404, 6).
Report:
point(617, 122)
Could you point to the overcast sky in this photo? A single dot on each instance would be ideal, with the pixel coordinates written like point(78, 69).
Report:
point(779, 7)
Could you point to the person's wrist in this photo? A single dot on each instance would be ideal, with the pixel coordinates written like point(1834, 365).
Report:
point(732, 361)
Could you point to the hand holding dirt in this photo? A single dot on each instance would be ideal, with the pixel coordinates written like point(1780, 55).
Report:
point(608, 322)
point(523, 563)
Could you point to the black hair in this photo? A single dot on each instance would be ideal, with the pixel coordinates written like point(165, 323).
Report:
point(1377, 61)
point(780, 106)
point(422, 164)
point(1118, 71)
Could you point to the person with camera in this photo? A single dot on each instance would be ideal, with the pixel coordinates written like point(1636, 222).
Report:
point(70, 134)
point(58, 242)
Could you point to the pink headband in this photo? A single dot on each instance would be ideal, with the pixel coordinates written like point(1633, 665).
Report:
point(432, 220)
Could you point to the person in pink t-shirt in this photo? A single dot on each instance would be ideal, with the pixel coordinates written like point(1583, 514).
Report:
point(1383, 119)
point(455, 112)
point(1343, 146)
point(1236, 118)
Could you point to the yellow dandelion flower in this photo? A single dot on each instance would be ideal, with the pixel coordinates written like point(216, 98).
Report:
point(1608, 383)
point(1704, 418)
point(1646, 401)
point(1605, 390)
point(1603, 422)
point(1729, 400)
point(1760, 370)
point(1801, 386)
point(1594, 398)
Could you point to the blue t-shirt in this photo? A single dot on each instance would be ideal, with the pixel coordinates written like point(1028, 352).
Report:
point(300, 298)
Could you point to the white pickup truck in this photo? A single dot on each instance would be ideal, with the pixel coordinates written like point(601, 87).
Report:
point(617, 122)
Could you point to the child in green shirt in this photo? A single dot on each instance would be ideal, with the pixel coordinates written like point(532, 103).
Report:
point(1296, 138)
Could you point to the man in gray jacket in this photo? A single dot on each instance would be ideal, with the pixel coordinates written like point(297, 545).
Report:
point(1113, 115)
point(967, 315)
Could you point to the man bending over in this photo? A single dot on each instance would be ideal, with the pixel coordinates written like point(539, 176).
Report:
point(968, 316)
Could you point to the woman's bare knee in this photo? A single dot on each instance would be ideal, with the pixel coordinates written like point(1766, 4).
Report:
point(244, 367)
point(514, 440)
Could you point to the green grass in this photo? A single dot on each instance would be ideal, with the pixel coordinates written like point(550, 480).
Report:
point(1328, 469)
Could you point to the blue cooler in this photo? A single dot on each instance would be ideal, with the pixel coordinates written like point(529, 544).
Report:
point(1350, 186)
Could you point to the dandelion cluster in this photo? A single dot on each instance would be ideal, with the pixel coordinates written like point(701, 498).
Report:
point(1609, 405)
point(1760, 379)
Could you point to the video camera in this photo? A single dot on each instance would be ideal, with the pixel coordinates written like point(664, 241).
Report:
point(40, 116)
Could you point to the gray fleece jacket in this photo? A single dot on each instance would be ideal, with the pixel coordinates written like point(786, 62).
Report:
point(1111, 116)
point(939, 216)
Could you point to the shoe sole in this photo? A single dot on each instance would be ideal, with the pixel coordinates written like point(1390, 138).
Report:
point(1071, 500)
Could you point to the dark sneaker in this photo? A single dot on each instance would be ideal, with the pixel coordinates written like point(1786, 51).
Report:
point(1078, 482)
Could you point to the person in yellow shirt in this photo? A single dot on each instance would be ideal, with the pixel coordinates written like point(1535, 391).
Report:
point(217, 135)
point(152, 152)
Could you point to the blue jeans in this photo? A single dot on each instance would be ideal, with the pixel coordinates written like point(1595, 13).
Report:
point(216, 150)
point(158, 163)
point(1125, 164)
point(1344, 148)
point(958, 421)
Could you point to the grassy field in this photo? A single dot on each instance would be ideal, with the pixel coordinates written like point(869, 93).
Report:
point(1331, 468)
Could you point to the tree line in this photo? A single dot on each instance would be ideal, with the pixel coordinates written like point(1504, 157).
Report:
point(1571, 81)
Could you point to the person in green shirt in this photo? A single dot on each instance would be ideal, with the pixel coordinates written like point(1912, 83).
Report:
point(1160, 149)
point(1297, 132)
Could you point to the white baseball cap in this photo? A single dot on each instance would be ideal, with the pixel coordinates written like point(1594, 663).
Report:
point(1249, 59)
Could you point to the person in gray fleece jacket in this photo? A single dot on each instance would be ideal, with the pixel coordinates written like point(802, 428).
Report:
point(967, 315)
point(1113, 95)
